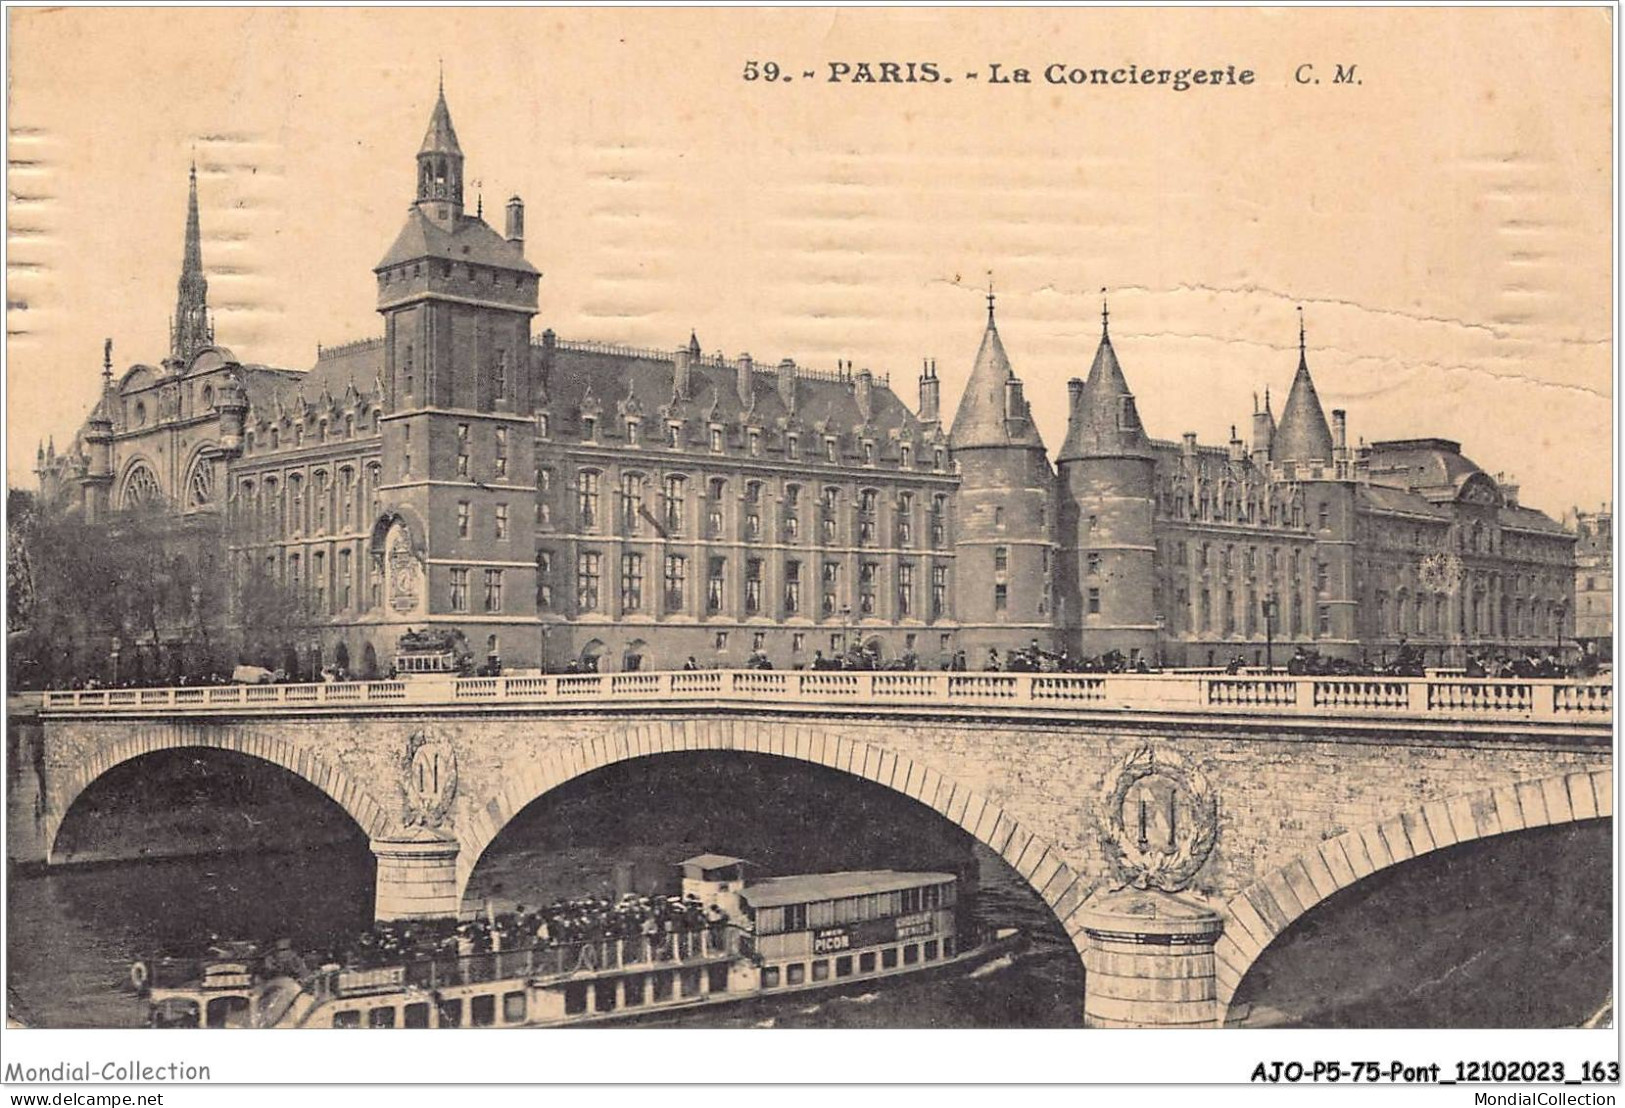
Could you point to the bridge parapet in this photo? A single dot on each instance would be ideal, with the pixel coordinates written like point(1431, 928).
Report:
point(1435, 699)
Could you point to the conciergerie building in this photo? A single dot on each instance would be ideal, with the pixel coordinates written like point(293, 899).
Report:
point(566, 501)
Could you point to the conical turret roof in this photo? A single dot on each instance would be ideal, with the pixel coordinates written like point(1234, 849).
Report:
point(1302, 435)
point(441, 137)
point(985, 416)
point(1104, 422)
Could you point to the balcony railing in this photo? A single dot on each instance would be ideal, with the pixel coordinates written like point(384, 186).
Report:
point(1436, 698)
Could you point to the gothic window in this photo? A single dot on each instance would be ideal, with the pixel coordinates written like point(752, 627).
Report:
point(200, 484)
point(346, 518)
point(319, 494)
point(140, 488)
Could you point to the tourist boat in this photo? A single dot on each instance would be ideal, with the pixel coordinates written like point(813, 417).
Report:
point(769, 937)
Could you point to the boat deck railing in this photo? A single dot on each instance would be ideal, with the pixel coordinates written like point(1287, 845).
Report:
point(1440, 697)
point(539, 962)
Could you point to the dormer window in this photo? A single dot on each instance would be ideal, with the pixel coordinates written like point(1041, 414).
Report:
point(632, 432)
point(674, 431)
point(792, 447)
point(589, 427)
point(544, 425)
point(276, 435)
point(907, 455)
point(936, 458)
point(716, 439)
point(754, 442)
point(829, 449)
point(868, 452)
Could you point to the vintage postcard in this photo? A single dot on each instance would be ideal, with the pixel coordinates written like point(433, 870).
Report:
point(1047, 519)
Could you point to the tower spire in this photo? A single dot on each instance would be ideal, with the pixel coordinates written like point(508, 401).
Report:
point(1105, 315)
point(440, 165)
point(189, 330)
point(1302, 352)
point(990, 298)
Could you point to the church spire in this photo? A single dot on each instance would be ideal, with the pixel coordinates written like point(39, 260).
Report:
point(190, 330)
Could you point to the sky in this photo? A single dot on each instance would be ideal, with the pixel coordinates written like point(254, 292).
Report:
point(1443, 219)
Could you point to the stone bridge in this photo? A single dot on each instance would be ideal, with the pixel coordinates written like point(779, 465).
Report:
point(1175, 824)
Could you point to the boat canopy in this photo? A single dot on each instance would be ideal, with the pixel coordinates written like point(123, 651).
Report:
point(811, 888)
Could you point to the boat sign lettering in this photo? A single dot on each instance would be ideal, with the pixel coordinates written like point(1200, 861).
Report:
point(830, 940)
point(912, 927)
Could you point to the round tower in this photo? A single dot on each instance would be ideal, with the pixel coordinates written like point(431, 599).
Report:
point(1004, 513)
point(1107, 477)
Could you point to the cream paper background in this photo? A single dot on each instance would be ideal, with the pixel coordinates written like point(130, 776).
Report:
point(1446, 222)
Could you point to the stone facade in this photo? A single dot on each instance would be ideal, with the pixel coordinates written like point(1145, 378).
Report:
point(575, 502)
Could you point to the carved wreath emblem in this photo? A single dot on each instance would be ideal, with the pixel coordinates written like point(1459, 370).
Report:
point(1160, 820)
point(429, 780)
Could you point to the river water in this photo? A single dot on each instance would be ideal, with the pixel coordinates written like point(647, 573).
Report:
point(73, 932)
point(1516, 931)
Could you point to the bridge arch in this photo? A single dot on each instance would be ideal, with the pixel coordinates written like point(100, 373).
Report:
point(1036, 860)
point(1254, 918)
point(298, 760)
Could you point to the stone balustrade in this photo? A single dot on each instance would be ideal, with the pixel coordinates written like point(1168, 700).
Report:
point(1434, 699)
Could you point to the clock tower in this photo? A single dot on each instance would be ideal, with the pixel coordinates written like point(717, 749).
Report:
point(457, 297)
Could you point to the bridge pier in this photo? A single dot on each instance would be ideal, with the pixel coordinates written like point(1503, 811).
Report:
point(1148, 961)
point(417, 876)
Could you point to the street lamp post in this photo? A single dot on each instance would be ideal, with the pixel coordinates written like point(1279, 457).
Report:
point(1272, 604)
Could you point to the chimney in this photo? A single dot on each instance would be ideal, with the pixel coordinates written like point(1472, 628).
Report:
point(787, 384)
point(930, 395)
point(746, 368)
point(1238, 449)
point(863, 390)
point(1340, 429)
point(1015, 406)
point(682, 364)
point(1074, 392)
point(1509, 489)
point(1190, 444)
point(516, 222)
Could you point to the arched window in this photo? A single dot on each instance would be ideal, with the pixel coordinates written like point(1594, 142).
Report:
point(346, 518)
point(140, 487)
point(319, 494)
point(200, 484)
point(271, 508)
point(296, 504)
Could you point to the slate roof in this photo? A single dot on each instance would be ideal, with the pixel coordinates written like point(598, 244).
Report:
point(1094, 428)
point(441, 137)
point(1302, 434)
point(611, 378)
point(470, 239)
point(983, 418)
